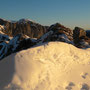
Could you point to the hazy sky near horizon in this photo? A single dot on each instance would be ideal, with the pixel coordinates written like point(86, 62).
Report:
point(70, 13)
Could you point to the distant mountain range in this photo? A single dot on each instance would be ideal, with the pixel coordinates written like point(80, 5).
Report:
point(26, 27)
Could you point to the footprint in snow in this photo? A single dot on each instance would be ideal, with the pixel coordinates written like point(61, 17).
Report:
point(85, 87)
point(84, 75)
point(70, 85)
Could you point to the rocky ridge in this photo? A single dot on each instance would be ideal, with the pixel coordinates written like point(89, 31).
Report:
point(81, 40)
point(23, 26)
point(16, 36)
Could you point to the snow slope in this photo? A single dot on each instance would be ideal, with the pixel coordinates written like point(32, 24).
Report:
point(51, 66)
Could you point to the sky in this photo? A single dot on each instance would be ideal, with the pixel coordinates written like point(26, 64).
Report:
point(70, 13)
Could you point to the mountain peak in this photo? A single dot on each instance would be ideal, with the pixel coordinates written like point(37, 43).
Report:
point(23, 20)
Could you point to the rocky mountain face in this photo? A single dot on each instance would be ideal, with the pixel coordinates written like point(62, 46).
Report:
point(23, 26)
point(80, 38)
point(57, 32)
point(23, 34)
point(62, 29)
point(17, 43)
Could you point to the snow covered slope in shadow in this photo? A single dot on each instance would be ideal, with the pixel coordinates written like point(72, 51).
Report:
point(52, 66)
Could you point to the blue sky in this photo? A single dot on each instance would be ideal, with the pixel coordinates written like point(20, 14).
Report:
point(70, 13)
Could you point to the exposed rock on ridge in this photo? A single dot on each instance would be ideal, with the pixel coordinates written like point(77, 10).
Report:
point(23, 34)
point(80, 38)
point(23, 26)
point(57, 32)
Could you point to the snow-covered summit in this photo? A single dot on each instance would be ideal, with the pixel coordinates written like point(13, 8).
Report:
point(51, 66)
point(25, 20)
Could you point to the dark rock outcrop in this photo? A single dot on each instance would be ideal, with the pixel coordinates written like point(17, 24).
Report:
point(62, 29)
point(23, 26)
point(4, 37)
point(80, 39)
point(26, 43)
point(3, 49)
point(57, 32)
point(88, 33)
point(16, 44)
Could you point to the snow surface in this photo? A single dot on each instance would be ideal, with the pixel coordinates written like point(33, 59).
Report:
point(25, 20)
point(2, 27)
point(51, 66)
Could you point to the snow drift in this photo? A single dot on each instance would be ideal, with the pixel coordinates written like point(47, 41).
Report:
point(51, 66)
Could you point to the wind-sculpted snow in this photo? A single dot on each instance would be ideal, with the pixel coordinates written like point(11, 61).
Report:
point(51, 66)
